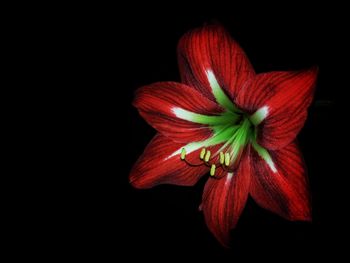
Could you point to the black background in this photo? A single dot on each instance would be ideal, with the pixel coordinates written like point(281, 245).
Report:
point(120, 54)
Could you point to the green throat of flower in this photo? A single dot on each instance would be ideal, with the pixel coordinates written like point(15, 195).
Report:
point(232, 132)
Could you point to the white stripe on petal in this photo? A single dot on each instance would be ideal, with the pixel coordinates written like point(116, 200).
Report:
point(183, 114)
point(212, 81)
point(271, 165)
point(228, 178)
point(217, 91)
point(259, 115)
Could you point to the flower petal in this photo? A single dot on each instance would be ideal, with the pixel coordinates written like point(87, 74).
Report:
point(211, 61)
point(176, 110)
point(159, 165)
point(224, 200)
point(282, 186)
point(280, 101)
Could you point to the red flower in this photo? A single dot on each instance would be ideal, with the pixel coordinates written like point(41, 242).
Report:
point(226, 119)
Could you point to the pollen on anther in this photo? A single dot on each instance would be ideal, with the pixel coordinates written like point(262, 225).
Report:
point(227, 159)
point(222, 158)
point(201, 156)
point(207, 156)
point(212, 169)
point(183, 154)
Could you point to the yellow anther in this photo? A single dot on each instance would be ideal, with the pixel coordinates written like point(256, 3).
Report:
point(227, 159)
point(202, 153)
point(183, 154)
point(207, 156)
point(212, 170)
point(222, 158)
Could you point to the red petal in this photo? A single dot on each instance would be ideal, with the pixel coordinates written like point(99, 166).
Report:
point(286, 96)
point(156, 103)
point(153, 167)
point(212, 48)
point(224, 200)
point(284, 192)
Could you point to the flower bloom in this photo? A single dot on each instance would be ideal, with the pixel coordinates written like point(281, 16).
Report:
point(228, 121)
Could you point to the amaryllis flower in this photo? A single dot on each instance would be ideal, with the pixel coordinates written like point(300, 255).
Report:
point(226, 121)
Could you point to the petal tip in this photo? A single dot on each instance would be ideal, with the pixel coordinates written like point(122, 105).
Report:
point(311, 72)
point(137, 182)
point(134, 183)
point(305, 218)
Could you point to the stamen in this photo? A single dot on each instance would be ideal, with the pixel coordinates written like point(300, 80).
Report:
point(227, 159)
point(183, 154)
point(222, 158)
point(212, 169)
point(207, 156)
point(201, 156)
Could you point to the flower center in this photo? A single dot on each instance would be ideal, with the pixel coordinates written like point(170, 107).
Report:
point(231, 132)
